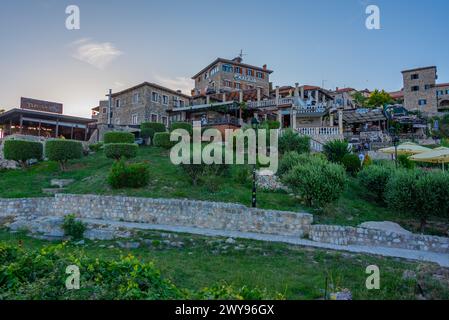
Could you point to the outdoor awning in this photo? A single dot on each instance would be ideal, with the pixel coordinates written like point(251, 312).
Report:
point(363, 116)
point(406, 148)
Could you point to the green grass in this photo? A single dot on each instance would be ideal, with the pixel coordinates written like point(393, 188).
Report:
point(295, 272)
point(169, 181)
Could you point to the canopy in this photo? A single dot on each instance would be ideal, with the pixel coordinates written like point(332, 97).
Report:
point(438, 155)
point(406, 148)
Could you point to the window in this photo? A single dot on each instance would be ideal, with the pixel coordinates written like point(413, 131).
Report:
point(237, 70)
point(165, 121)
point(415, 76)
point(427, 87)
point(154, 118)
point(440, 92)
point(165, 99)
point(154, 96)
point(447, 91)
point(415, 88)
point(118, 103)
point(227, 83)
point(136, 98)
point(249, 72)
point(237, 85)
point(227, 68)
point(134, 119)
point(422, 102)
point(259, 75)
point(105, 110)
point(181, 103)
point(214, 71)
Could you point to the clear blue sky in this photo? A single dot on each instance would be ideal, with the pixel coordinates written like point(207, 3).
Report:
point(122, 43)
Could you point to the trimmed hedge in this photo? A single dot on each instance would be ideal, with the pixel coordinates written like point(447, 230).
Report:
point(62, 150)
point(22, 151)
point(182, 125)
point(96, 147)
point(375, 178)
point(121, 150)
point(149, 129)
point(291, 159)
point(122, 175)
point(118, 137)
point(162, 140)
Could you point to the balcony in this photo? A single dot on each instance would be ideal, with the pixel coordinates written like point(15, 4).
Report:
point(319, 131)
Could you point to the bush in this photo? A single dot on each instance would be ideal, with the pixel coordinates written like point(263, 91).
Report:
point(272, 125)
point(375, 178)
point(335, 150)
point(96, 147)
point(73, 228)
point(292, 141)
point(121, 150)
point(147, 133)
point(433, 195)
point(22, 151)
point(243, 174)
point(118, 137)
point(352, 163)
point(405, 162)
point(182, 125)
point(317, 183)
point(291, 159)
point(62, 150)
point(162, 140)
point(122, 175)
point(194, 171)
point(152, 128)
point(401, 191)
point(367, 161)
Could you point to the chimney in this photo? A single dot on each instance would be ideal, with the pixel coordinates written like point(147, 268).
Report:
point(296, 89)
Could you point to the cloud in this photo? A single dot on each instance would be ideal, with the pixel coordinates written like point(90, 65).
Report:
point(179, 83)
point(99, 55)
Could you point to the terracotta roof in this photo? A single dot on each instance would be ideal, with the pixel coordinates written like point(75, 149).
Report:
point(396, 94)
point(151, 85)
point(341, 90)
point(234, 62)
point(442, 85)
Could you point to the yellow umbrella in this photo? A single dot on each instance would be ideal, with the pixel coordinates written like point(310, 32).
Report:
point(438, 155)
point(406, 148)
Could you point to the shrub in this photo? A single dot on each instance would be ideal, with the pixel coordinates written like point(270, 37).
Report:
point(122, 175)
point(367, 161)
point(405, 162)
point(162, 140)
point(352, 163)
point(22, 151)
point(118, 137)
point(73, 228)
point(96, 147)
point(433, 196)
point(242, 174)
point(375, 178)
point(335, 150)
point(147, 133)
point(292, 141)
point(62, 150)
point(194, 171)
point(182, 125)
point(121, 150)
point(154, 127)
point(317, 183)
point(401, 191)
point(271, 124)
point(291, 159)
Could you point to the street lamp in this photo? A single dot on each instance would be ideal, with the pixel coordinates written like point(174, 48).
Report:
point(255, 126)
point(395, 141)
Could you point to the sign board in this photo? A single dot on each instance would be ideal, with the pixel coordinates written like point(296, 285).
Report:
point(240, 77)
point(39, 105)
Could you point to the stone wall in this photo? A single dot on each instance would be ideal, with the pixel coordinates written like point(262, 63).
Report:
point(200, 214)
point(361, 236)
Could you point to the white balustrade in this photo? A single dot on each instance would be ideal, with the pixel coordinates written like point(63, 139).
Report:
point(319, 131)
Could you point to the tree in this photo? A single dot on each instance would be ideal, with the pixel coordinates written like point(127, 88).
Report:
point(379, 99)
point(359, 99)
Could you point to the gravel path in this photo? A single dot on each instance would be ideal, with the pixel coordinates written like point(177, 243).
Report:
point(441, 259)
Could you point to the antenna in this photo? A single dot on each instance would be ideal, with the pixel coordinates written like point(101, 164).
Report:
point(241, 54)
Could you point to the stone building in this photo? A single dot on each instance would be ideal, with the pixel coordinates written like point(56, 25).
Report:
point(420, 91)
point(144, 103)
point(223, 75)
point(443, 97)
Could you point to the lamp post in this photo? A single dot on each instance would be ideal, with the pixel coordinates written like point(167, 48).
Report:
point(255, 126)
point(396, 141)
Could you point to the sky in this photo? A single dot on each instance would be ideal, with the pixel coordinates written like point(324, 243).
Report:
point(123, 43)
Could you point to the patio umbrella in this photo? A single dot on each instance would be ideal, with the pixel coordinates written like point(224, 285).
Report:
point(406, 148)
point(438, 155)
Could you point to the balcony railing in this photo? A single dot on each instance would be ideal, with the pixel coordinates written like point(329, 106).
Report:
point(319, 131)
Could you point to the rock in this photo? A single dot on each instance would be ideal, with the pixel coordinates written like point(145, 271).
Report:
point(385, 226)
point(61, 183)
point(345, 294)
point(230, 241)
point(128, 245)
point(408, 275)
